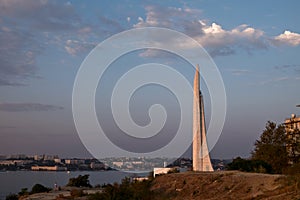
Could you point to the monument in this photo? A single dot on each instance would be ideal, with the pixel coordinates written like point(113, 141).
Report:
point(201, 158)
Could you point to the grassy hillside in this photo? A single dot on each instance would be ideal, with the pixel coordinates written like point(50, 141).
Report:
point(189, 185)
point(225, 185)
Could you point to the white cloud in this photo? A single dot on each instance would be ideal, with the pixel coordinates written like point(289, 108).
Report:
point(288, 38)
point(242, 36)
point(169, 17)
point(141, 20)
point(214, 37)
point(74, 47)
point(85, 30)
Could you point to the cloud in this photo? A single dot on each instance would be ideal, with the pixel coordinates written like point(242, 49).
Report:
point(110, 25)
point(40, 14)
point(287, 38)
point(18, 51)
point(287, 67)
point(239, 72)
point(222, 51)
point(154, 53)
point(24, 107)
point(181, 19)
point(242, 36)
point(75, 47)
point(217, 40)
point(212, 36)
point(24, 35)
point(4, 82)
point(85, 30)
point(274, 80)
point(28, 28)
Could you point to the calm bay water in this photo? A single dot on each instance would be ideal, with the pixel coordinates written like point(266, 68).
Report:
point(14, 181)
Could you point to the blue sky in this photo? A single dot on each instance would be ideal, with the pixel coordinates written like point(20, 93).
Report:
point(255, 44)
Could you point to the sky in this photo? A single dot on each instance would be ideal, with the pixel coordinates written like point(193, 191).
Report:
point(254, 44)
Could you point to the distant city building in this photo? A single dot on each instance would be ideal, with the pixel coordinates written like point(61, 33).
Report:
point(140, 178)
point(57, 160)
point(38, 157)
point(160, 171)
point(74, 161)
point(18, 156)
point(95, 165)
point(292, 128)
point(7, 162)
point(50, 157)
point(15, 162)
point(48, 168)
point(292, 123)
point(118, 163)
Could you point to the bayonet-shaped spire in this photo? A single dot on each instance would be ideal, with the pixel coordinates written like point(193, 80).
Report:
point(201, 158)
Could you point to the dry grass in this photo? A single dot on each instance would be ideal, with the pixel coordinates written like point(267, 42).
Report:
point(225, 185)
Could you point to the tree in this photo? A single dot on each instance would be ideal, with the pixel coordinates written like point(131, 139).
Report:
point(12, 197)
point(244, 165)
point(38, 188)
point(271, 147)
point(80, 181)
point(24, 191)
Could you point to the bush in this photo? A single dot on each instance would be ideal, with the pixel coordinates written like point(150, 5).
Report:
point(128, 189)
point(244, 165)
point(23, 192)
point(12, 197)
point(173, 170)
point(38, 188)
point(80, 181)
point(292, 170)
point(96, 196)
point(77, 193)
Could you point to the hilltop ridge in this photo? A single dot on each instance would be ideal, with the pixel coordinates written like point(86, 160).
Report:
point(225, 185)
point(194, 186)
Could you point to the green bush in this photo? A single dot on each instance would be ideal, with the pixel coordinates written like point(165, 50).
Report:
point(12, 197)
point(38, 188)
point(80, 181)
point(128, 189)
point(96, 196)
point(24, 191)
point(257, 166)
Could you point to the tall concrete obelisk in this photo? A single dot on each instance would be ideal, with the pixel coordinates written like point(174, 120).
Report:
point(201, 158)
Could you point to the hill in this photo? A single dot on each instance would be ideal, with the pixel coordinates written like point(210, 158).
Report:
point(192, 185)
point(225, 185)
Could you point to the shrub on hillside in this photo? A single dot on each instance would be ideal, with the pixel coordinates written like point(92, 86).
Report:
point(77, 193)
point(80, 181)
point(292, 170)
point(38, 188)
point(11, 197)
point(257, 166)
